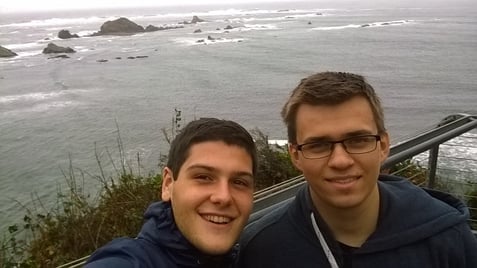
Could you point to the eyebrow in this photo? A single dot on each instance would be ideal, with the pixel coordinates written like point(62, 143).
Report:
point(346, 135)
point(212, 169)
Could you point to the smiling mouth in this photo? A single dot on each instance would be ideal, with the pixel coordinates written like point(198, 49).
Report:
point(343, 180)
point(217, 219)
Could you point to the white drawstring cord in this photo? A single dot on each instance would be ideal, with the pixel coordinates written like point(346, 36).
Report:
point(324, 245)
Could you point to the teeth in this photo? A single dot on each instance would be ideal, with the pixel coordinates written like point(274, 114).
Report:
point(217, 219)
point(343, 181)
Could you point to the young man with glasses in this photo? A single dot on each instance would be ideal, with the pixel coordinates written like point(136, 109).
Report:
point(348, 214)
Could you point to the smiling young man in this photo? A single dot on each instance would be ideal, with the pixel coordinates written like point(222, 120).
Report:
point(207, 197)
point(348, 215)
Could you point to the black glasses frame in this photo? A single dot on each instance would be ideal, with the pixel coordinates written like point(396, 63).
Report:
point(299, 147)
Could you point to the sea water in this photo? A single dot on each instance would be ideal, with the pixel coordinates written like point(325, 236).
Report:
point(421, 61)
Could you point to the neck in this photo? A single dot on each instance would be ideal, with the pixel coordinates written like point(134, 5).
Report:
point(351, 225)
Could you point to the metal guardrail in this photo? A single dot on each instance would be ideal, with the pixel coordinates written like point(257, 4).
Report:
point(280, 194)
point(451, 127)
point(445, 131)
point(75, 263)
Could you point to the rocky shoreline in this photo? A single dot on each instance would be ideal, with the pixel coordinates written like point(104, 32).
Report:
point(120, 26)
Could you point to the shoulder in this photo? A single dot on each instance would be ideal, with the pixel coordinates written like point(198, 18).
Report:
point(458, 244)
point(122, 253)
point(264, 220)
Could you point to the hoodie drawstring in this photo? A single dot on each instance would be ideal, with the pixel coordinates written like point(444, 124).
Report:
point(324, 245)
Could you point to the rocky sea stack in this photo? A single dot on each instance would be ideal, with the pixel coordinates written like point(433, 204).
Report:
point(65, 34)
point(52, 48)
point(6, 53)
point(121, 26)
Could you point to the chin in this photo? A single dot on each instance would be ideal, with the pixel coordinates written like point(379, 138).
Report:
point(218, 250)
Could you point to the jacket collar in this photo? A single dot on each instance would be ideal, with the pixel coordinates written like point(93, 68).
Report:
point(161, 230)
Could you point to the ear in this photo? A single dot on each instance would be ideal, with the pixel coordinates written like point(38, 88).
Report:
point(384, 146)
point(294, 155)
point(167, 184)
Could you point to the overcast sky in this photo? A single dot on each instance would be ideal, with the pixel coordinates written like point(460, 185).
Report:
point(41, 5)
point(37, 5)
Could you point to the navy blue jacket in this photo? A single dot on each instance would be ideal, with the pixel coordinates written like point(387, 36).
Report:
point(159, 245)
point(416, 228)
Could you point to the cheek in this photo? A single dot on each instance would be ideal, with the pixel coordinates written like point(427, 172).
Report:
point(244, 200)
point(311, 167)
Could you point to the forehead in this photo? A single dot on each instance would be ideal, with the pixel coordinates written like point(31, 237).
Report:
point(335, 121)
point(218, 154)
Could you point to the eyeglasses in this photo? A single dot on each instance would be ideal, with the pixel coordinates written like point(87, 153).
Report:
point(352, 145)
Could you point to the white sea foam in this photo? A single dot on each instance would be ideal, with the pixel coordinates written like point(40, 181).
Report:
point(56, 104)
point(58, 22)
point(23, 46)
point(42, 107)
point(279, 18)
point(85, 33)
point(39, 96)
point(459, 153)
point(28, 53)
point(261, 26)
point(328, 28)
point(245, 28)
point(205, 41)
point(365, 25)
point(278, 142)
point(227, 12)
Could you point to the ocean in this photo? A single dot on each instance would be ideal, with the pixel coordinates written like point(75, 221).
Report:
point(421, 61)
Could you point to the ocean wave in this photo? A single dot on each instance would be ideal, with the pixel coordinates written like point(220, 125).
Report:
point(36, 96)
point(40, 96)
point(23, 46)
point(42, 107)
point(260, 27)
point(459, 153)
point(23, 54)
point(58, 22)
point(232, 12)
point(64, 22)
point(55, 104)
point(278, 142)
point(205, 41)
point(365, 25)
point(280, 18)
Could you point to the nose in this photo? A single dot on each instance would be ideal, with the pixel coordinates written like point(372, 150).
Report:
point(339, 158)
point(221, 193)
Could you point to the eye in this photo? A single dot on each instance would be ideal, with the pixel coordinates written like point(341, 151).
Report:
point(317, 146)
point(242, 182)
point(359, 140)
point(203, 177)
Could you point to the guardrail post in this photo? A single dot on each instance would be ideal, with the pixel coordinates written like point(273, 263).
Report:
point(432, 166)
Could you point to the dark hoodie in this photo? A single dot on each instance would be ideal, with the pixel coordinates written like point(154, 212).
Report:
point(416, 228)
point(159, 245)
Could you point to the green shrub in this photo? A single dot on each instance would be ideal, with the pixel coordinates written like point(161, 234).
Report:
point(80, 224)
point(471, 197)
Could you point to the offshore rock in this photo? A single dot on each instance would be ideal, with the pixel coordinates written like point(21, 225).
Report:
point(121, 26)
point(196, 19)
point(52, 48)
point(6, 53)
point(152, 28)
point(65, 34)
